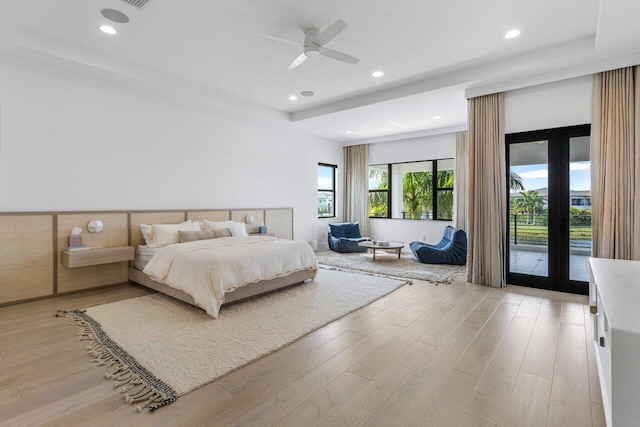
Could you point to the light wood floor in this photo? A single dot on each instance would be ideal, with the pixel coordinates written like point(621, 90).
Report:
point(425, 355)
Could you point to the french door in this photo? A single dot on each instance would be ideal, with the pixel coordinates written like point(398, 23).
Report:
point(549, 208)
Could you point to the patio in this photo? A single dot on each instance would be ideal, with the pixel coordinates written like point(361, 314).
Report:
point(534, 260)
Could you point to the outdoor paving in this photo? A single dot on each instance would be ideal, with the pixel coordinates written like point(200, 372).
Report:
point(536, 263)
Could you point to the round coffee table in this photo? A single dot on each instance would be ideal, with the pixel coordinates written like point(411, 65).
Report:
point(396, 246)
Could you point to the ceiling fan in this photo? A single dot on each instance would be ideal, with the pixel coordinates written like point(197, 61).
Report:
point(314, 42)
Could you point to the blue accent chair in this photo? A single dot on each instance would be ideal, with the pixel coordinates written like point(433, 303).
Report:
point(344, 237)
point(452, 249)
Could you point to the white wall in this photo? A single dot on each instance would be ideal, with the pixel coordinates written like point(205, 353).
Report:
point(74, 145)
point(411, 150)
point(425, 148)
point(552, 105)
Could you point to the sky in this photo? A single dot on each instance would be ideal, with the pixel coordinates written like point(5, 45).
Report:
point(535, 176)
point(325, 177)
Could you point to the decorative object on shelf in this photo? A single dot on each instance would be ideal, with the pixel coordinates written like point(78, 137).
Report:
point(262, 229)
point(75, 239)
point(95, 226)
point(248, 219)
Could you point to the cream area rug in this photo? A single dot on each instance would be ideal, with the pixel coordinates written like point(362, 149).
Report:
point(158, 348)
point(387, 264)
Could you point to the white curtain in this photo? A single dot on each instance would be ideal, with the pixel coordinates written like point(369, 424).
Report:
point(615, 164)
point(487, 192)
point(356, 186)
point(461, 181)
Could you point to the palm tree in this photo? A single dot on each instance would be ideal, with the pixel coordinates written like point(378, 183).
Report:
point(532, 203)
point(515, 182)
point(445, 198)
point(413, 192)
point(378, 201)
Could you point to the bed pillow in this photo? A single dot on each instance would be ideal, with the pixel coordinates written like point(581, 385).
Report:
point(192, 236)
point(236, 228)
point(222, 232)
point(167, 234)
point(146, 233)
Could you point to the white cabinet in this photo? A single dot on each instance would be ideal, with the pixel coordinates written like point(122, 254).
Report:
point(614, 295)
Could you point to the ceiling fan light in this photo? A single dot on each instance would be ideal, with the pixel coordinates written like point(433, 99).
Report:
point(312, 53)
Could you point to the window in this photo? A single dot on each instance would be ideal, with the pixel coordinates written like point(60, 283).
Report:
point(408, 190)
point(443, 202)
point(379, 191)
point(326, 190)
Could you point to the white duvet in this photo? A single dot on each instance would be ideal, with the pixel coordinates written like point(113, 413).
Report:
point(207, 269)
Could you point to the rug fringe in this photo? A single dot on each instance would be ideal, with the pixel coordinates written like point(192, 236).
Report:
point(135, 382)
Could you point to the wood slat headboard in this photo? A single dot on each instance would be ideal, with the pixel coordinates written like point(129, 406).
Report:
point(278, 221)
point(150, 218)
point(31, 245)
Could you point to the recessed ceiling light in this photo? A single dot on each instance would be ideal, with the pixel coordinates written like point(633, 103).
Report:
point(377, 74)
point(293, 98)
point(349, 132)
point(108, 29)
point(436, 117)
point(512, 34)
point(307, 93)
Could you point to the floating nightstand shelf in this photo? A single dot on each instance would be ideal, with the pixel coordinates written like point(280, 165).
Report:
point(97, 256)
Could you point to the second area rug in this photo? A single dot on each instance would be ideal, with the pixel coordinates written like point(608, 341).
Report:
point(388, 264)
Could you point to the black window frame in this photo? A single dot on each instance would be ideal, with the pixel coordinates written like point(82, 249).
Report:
point(332, 191)
point(434, 189)
point(388, 191)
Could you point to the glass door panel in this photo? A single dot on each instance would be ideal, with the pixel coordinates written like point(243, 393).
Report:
point(549, 208)
point(528, 219)
point(579, 208)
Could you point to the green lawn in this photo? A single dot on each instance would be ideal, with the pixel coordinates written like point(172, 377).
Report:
point(540, 233)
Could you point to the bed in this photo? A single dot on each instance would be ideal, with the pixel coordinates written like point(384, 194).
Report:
point(212, 272)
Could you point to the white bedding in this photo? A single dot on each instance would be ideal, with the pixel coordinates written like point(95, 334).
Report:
point(207, 269)
point(144, 254)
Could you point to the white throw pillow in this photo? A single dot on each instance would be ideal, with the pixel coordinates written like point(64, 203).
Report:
point(236, 228)
point(146, 233)
point(167, 234)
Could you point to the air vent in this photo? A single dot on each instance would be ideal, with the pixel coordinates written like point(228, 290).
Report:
point(137, 3)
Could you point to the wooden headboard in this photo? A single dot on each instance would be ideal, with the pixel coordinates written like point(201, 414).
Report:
point(278, 221)
point(31, 267)
point(161, 217)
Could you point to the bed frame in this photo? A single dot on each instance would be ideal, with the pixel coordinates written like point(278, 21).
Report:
point(242, 293)
point(282, 218)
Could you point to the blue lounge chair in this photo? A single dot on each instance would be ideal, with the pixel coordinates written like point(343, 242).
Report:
point(344, 237)
point(452, 249)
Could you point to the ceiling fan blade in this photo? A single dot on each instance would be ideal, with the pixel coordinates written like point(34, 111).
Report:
point(281, 40)
point(330, 32)
point(334, 54)
point(299, 60)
